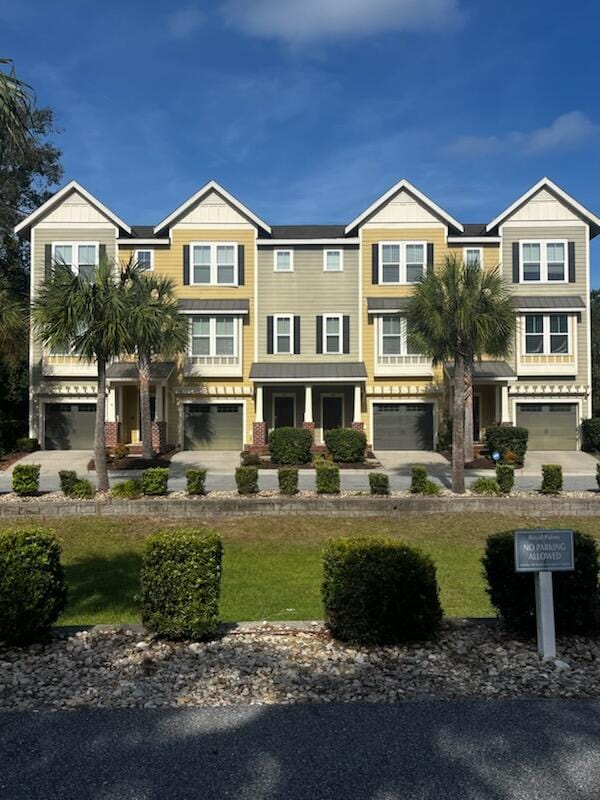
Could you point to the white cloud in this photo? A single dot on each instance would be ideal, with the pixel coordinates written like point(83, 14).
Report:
point(566, 131)
point(185, 21)
point(300, 21)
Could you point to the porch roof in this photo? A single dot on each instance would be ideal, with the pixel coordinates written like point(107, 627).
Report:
point(324, 372)
point(487, 370)
point(550, 301)
point(128, 371)
point(238, 306)
point(377, 304)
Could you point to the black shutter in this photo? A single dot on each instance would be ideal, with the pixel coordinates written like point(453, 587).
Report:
point(571, 262)
point(186, 265)
point(429, 256)
point(47, 261)
point(346, 336)
point(101, 253)
point(375, 263)
point(297, 336)
point(270, 335)
point(319, 334)
point(241, 265)
point(515, 260)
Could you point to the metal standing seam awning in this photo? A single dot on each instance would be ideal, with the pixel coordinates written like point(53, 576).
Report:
point(125, 371)
point(209, 306)
point(484, 371)
point(290, 372)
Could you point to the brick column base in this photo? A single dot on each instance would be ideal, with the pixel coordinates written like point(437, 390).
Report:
point(259, 434)
point(112, 433)
point(358, 426)
point(159, 436)
point(310, 426)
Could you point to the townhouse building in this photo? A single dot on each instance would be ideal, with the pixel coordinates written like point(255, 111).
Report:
point(305, 325)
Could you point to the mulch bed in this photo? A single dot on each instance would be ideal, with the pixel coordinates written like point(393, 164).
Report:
point(9, 459)
point(368, 463)
point(135, 462)
point(480, 462)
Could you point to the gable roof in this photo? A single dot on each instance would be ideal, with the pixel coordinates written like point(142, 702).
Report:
point(554, 189)
point(397, 187)
point(58, 196)
point(214, 187)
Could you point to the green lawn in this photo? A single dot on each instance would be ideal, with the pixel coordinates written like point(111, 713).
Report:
point(272, 566)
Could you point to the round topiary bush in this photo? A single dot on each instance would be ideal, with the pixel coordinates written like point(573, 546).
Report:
point(379, 591)
point(290, 445)
point(32, 584)
point(346, 445)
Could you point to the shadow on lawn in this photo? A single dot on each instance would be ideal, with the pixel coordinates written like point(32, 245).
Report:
point(104, 584)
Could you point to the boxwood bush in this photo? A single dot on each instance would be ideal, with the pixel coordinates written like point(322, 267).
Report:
point(590, 434)
point(290, 445)
point(346, 445)
point(68, 478)
point(82, 490)
point(26, 479)
point(552, 479)
point(155, 481)
point(327, 479)
point(505, 476)
point(507, 439)
point(576, 595)
point(485, 486)
point(288, 480)
point(32, 584)
point(379, 483)
point(379, 591)
point(131, 489)
point(27, 444)
point(418, 479)
point(181, 582)
point(196, 481)
point(246, 480)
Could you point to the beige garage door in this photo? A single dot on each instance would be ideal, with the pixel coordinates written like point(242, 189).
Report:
point(551, 426)
point(213, 426)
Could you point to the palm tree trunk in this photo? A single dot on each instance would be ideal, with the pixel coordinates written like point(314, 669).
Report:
point(100, 436)
point(469, 433)
point(458, 426)
point(144, 374)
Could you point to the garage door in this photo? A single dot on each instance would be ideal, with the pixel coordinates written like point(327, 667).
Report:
point(212, 426)
point(551, 426)
point(69, 426)
point(403, 426)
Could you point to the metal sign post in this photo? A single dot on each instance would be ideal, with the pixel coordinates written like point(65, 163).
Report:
point(544, 552)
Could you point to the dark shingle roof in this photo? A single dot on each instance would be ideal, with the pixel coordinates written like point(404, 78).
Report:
point(307, 231)
point(323, 371)
point(128, 370)
point(545, 301)
point(486, 369)
point(215, 305)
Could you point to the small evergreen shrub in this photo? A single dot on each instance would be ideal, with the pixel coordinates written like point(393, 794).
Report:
point(250, 460)
point(246, 480)
point(590, 434)
point(82, 490)
point(552, 479)
point(121, 451)
point(68, 478)
point(26, 479)
point(155, 481)
point(290, 445)
point(328, 479)
point(379, 483)
point(576, 595)
point(196, 481)
point(505, 438)
point(26, 444)
point(505, 476)
point(486, 486)
point(288, 480)
point(131, 489)
point(431, 488)
point(346, 445)
point(32, 584)
point(418, 479)
point(379, 591)
point(180, 583)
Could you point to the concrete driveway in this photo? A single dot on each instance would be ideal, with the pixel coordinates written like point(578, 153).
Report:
point(217, 461)
point(51, 462)
point(573, 462)
point(399, 462)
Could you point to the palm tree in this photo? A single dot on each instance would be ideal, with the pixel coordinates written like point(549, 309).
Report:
point(86, 316)
point(16, 103)
point(13, 325)
point(156, 328)
point(460, 313)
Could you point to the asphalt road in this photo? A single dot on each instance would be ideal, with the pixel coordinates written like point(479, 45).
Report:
point(496, 750)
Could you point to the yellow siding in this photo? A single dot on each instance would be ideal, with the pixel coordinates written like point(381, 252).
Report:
point(491, 253)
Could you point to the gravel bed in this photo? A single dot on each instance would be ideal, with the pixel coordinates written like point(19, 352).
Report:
point(272, 663)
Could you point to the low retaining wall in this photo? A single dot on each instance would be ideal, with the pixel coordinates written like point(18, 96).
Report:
point(313, 506)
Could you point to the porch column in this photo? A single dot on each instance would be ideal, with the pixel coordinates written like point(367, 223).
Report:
point(357, 404)
point(158, 405)
point(111, 405)
point(259, 414)
point(259, 428)
point(111, 425)
point(504, 418)
point(158, 425)
point(308, 400)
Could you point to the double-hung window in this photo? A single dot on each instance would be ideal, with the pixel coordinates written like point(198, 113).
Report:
point(144, 259)
point(402, 262)
point(283, 260)
point(283, 325)
point(393, 336)
point(543, 262)
point(332, 334)
point(547, 334)
point(473, 257)
point(213, 336)
point(214, 263)
point(333, 260)
point(81, 257)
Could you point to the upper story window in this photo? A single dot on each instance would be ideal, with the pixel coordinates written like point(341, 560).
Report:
point(283, 328)
point(543, 262)
point(547, 334)
point(214, 263)
point(473, 256)
point(145, 259)
point(213, 336)
point(332, 334)
point(402, 262)
point(81, 257)
point(333, 260)
point(393, 336)
point(283, 260)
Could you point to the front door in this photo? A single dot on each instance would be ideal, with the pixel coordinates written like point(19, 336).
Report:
point(333, 413)
point(283, 411)
point(476, 417)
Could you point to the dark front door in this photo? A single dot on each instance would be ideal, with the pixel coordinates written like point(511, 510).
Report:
point(333, 414)
point(283, 412)
point(476, 417)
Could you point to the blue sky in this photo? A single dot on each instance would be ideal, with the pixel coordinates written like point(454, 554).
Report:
point(309, 109)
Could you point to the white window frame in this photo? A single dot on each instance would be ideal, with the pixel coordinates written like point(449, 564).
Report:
point(145, 250)
point(546, 335)
point(213, 263)
point(402, 276)
point(479, 250)
point(276, 350)
point(543, 244)
point(403, 338)
point(212, 336)
point(75, 250)
point(340, 319)
point(333, 250)
point(291, 255)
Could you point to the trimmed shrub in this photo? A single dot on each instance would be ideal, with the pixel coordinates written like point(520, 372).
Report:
point(288, 480)
point(246, 480)
point(121, 451)
point(379, 591)
point(26, 479)
point(32, 584)
point(155, 481)
point(250, 460)
point(552, 479)
point(431, 488)
point(26, 444)
point(379, 483)
point(418, 479)
point(590, 434)
point(68, 479)
point(487, 486)
point(290, 445)
point(576, 595)
point(131, 489)
point(82, 490)
point(328, 479)
point(196, 481)
point(346, 445)
point(504, 438)
point(505, 476)
point(181, 582)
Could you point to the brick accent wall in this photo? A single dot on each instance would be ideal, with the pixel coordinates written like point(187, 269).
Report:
point(310, 426)
point(259, 434)
point(112, 432)
point(358, 426)
point(159, 436)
